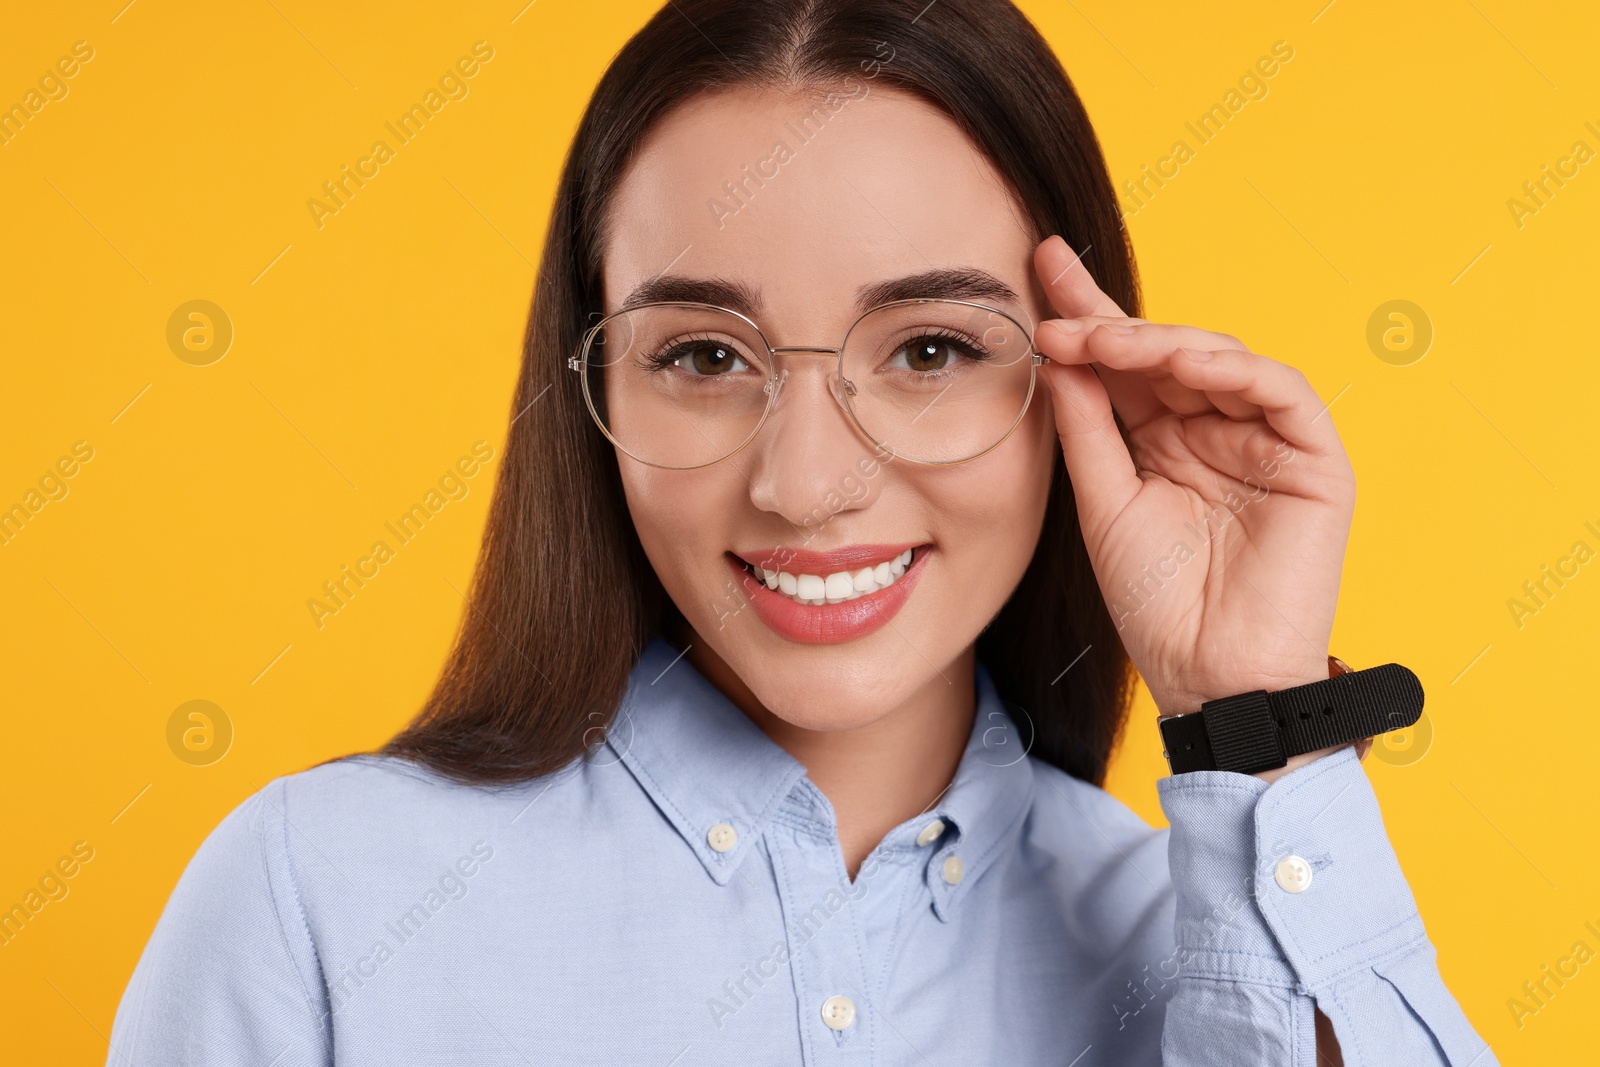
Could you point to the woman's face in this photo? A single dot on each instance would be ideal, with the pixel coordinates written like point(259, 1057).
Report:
point(873, 188)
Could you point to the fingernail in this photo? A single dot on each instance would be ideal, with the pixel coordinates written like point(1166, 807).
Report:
point(1064, 325)
point(1198, 355)
point(1117, 328)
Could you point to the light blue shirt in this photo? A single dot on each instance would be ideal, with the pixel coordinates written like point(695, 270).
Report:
point(680, 898)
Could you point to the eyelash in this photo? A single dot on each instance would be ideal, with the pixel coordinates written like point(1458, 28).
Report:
point(970, 348)
point(673, 350)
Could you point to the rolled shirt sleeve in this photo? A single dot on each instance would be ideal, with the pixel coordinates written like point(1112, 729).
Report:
point(1290, 898)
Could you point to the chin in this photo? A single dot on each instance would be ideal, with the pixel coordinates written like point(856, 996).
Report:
point(844, 700)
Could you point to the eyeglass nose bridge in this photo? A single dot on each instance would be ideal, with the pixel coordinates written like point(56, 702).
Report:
point(776, 384)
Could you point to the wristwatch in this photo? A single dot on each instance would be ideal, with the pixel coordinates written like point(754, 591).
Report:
point(1261, 731)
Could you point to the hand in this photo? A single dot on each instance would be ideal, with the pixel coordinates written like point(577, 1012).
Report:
point(1217, 531)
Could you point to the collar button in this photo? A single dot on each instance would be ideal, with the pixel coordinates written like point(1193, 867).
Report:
point(930, 833)
point(722, 837)
point(953, 870)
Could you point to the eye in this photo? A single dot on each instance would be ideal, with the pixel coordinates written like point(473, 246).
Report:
point(930, 353)
point(701, 359)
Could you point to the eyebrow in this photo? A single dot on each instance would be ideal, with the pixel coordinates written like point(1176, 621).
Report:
point(949, 283)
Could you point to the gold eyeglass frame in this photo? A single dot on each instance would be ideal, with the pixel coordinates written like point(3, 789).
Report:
point(842, 394)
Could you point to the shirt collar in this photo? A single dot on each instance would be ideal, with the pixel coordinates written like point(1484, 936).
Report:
point(708, 767)
point(700, 758)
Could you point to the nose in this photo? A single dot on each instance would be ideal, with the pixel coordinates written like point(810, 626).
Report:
point(807, 463)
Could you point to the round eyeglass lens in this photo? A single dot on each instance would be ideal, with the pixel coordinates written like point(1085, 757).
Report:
point(938, 381)
point(677, 385)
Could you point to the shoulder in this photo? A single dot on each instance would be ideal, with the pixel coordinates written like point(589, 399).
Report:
point(384, 795)
point(340, 828)
point(358, 820)
point(370, 809)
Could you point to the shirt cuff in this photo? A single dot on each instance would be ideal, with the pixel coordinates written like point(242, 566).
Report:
point(1290, 883)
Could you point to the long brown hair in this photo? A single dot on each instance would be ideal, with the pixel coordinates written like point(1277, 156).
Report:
point(563, 599)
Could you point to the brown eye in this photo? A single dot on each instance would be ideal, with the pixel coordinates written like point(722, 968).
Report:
point(706, 359)
point(925, 354)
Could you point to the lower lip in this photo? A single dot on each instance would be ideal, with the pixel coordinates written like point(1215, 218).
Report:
point(827, 624)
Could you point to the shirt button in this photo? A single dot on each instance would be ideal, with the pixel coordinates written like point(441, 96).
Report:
point(931, 832)
point(953, 869)
point(722, 837)
point(1293, 874)
point(838, 1012)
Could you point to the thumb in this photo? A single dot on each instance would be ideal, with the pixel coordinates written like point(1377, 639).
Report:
point(1103, 475)
point(1068, 284)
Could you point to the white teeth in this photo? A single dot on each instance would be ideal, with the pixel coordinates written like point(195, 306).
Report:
point(839, 587)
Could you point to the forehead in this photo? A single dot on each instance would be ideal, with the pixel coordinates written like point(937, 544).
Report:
point(807, 199)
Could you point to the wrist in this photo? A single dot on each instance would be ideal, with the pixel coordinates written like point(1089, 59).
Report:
point(1296, 762)
point(1188, 701)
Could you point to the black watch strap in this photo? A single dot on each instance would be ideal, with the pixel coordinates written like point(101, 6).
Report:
point(1260, 731)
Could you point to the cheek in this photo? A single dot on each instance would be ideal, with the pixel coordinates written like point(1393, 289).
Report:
point(684, 522)
point(1023, 466)
point(991, 510)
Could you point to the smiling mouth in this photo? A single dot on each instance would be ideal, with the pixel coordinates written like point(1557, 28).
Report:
point(837, 587)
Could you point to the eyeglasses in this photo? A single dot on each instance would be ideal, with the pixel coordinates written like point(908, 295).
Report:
point(682, 385)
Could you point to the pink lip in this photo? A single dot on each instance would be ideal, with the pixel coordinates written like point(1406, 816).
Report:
point(822, 624)
point(800, 561)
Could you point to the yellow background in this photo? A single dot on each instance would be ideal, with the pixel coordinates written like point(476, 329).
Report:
point(370, 354)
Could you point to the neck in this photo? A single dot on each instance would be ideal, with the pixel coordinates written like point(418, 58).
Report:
point(878, 775)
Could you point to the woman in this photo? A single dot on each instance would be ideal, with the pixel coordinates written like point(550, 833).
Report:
point(793, 664)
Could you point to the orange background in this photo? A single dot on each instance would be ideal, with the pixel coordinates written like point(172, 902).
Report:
point(370, 354)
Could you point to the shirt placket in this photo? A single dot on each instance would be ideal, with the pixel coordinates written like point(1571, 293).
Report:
point(827, 945)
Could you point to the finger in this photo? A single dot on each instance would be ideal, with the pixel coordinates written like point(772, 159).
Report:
point(1237, 409)
point(1139, 397)
point(1104, 478)
point(1288, 402)
point(1179, 398)
point(1134, 347)
point(1135, 395)
point(1147, 349)
point(1067, 282)
point(1130, 343)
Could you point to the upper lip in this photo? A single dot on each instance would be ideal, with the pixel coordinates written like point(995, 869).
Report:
point(801, 561)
